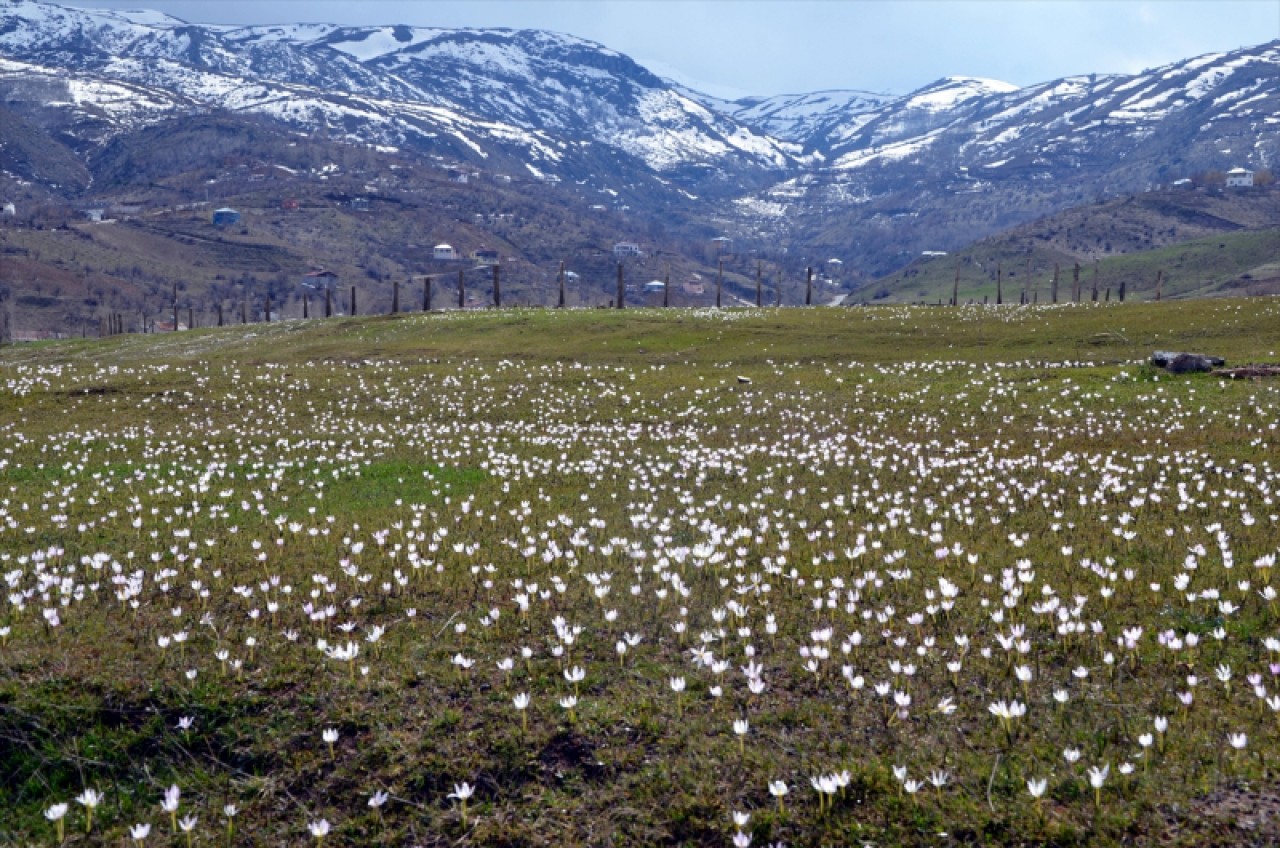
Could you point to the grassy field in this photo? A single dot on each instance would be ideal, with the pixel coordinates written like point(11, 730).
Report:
point(886, 576)
point(1221, 264)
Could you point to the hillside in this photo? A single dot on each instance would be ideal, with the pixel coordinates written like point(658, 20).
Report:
point(1200, 242)
point(305, 202)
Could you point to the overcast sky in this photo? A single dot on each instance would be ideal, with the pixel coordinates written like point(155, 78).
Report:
point(738, 47)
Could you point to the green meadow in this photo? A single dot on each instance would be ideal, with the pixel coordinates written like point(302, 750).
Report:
point(834, 576)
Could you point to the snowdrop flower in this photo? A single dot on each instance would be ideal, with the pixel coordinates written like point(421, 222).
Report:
point(825, 786)
point(779, 790)
point(521, 703)
point(378, 799)
point(139, 832)
point(1237, 740)
point(188, 824)
point(575, 676)
point(170, 804)
point(1097, 777)
point(330, 737)
point(462, 791)
point(677, 685)
point(55, 814)
point(741, 727)
point(319, 829)
point(89, 799)
point(230, 810)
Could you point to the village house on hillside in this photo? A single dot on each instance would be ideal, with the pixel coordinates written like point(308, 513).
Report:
point(627, 248)
point(320, 278)
point(225, 217)
point(444, 253)
point(1239, 178)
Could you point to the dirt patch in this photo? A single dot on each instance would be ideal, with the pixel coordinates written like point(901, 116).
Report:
point(1248, 371)
point(1235, 815)
point(568, 752)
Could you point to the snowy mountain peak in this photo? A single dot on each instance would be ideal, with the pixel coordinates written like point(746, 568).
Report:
point(948, 92)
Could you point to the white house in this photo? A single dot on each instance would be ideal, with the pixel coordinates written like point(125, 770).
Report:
point(444, 252)
point(1239, 178)
point(627, 248)
point(655, 287)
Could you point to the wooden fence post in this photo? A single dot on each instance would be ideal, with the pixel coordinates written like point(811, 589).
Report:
point(353, 300)
point(759, 291)
point(719, 281)
point(560, 302)
point(497, 288)
point(395, 297)
point(808, 287)
point(622, 291)
point(426, 294)
point(462, 291)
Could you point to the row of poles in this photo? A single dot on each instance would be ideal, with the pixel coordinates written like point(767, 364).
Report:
point(1077, 289)
point(114, 323)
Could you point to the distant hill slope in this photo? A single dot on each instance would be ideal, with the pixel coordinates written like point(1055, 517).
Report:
point(1198, 241)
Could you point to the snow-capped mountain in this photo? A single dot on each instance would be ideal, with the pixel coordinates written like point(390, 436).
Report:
point(963, 157)
point(871, 178)
point(534, 96)
point(807, 119)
